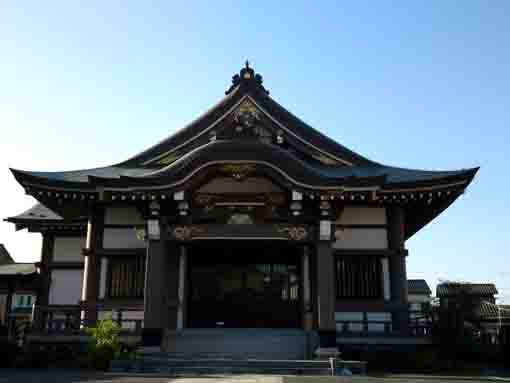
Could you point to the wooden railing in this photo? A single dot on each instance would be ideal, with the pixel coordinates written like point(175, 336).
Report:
point(363, 327)
point(381, 328)
point(68, 319)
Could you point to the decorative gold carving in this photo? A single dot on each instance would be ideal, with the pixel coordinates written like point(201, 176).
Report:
point(246, 109)
point(167, 160)
point(239, 171)
point(140, 232)
point(296, 233)
point(184, 233)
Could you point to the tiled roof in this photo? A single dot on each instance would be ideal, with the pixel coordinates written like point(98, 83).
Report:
point(309, 159)
point(38, 212)
point(418, 286)
point(451, 289)
point(488, 310)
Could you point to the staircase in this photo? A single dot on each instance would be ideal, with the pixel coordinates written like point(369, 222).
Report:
point(164, 365)
point(231, 351)
point(265, 344)
point(236, 351)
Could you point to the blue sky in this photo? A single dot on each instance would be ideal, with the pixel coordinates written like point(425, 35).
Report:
point(415, 84)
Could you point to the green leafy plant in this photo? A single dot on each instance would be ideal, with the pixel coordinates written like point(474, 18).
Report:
point(105, 343)
point(105, 334)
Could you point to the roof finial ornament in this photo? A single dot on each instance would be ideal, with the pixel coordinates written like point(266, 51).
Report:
point(247, 76)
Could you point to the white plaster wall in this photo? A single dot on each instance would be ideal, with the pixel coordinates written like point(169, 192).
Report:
point(248, 185)
point(68, 249)
point(121, 239)
point(349, 316)
point(366, 239)
point(353, 215)
point(123, 216)
point(65, 287)
point(377, 316)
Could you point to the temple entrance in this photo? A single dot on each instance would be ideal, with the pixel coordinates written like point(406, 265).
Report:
point(244, 285)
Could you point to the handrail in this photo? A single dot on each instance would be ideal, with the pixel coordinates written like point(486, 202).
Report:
point(419, 328)
point(345, 326)
point(68, 319)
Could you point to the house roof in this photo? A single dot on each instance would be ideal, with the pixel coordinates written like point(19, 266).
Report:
point(489, 310)
point(304, 158)
point(39, 215)
point(479, 289)
point(38, 212)
point(5, 257)
point(17, 269)
point(418, 287)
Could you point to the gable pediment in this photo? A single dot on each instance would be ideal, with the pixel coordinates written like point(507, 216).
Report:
point(249, 121)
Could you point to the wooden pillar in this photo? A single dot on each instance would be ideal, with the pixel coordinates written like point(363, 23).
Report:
point(183, 272)
point(398, 274)
point(155, 283)
point(325, 279)
point(43, 292)
point(94, 242)
point(306, 286)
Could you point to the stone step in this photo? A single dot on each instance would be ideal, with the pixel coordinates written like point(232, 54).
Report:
point(292, 364)
point(291, 344)
point(176, 369)
point(171, 366)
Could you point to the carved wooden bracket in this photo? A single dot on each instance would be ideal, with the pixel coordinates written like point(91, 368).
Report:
point(296, 233)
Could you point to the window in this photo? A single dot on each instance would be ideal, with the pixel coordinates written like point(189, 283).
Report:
point(29, 300)
point(358, 277)
point(127, 275)
point(21, 300)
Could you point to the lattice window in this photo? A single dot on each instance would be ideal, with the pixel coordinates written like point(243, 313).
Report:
point(127, 275)
point(358, 277)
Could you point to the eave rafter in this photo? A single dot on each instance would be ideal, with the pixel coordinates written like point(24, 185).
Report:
point(370, 194)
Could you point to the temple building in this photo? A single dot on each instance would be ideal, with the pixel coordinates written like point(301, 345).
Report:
point(247, 218)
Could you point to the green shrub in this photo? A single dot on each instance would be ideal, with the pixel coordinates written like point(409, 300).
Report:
point(106, 346)
point(105, 343)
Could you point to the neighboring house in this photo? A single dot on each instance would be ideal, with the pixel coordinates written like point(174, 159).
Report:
point(485, 315)
point(247, 217)
point(418, 295)
point(493, 320)
point(22, 305)
point(419, 298)
point(478, 292)
point(19, 284)
point(5, 257)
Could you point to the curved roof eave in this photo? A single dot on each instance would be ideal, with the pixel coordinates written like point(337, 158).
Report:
point(394, 178)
